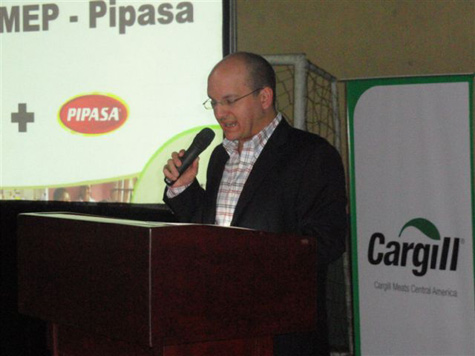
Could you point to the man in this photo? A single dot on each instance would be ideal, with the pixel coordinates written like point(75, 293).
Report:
point(266, 175)
point(61, 194)
point(85, 194)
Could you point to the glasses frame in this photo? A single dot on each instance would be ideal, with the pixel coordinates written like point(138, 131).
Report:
point(210, 104)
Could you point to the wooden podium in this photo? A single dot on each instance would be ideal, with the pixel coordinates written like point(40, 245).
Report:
point(123, 287)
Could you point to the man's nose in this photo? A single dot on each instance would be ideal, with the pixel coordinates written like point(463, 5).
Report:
point(220, 111)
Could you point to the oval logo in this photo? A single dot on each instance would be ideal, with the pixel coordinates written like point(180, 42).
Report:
point(93, 114)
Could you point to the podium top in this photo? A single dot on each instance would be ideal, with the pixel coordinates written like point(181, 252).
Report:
point(108, 220)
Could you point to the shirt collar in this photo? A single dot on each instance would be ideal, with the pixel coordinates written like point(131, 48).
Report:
point(257, 142)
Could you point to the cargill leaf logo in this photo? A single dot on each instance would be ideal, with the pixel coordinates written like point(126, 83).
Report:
point(424, 226)
point(438, 254)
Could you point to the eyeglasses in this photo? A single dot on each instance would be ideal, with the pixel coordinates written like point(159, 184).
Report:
point(210, 104)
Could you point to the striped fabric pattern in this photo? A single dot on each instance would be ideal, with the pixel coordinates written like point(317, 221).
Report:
point(237, 170)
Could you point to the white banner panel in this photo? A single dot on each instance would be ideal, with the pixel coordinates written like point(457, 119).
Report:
point(412, 215)
point(92, 89)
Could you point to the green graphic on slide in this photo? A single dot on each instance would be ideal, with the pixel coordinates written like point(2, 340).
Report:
point(150, 185)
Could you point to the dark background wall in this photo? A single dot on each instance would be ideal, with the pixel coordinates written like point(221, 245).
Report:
point(363, 38)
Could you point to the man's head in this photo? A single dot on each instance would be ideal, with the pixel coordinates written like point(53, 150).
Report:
point(61, 194)
point(85, 192)
point(260, 71)
point(242, 91)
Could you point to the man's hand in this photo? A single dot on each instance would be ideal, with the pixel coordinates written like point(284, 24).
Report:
point(171, 172)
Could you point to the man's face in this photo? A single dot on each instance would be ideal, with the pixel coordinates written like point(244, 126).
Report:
point(244, 118)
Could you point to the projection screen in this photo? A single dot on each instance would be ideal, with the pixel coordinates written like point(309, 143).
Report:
point(96, 94)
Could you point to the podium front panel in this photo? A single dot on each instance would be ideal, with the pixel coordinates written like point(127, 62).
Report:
point(88, 274)
point(155, 284)
point(213, 283)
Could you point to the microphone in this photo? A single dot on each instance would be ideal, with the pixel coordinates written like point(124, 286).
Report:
point(199, 144)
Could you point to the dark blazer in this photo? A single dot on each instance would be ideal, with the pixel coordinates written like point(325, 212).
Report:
point(296, 186)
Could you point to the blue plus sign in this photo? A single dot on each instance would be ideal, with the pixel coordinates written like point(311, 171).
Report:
point(22, 117)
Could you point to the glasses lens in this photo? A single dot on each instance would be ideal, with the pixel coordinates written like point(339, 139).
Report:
point(207, 104)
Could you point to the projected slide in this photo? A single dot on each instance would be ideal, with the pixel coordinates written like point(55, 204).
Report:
point(93, 91)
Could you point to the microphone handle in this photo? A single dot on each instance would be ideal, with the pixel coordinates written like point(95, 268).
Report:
point(186, 161)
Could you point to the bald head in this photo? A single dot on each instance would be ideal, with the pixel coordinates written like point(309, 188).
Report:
point(254, 69)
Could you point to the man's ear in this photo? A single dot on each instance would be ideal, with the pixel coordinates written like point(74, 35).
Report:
point(267, 96)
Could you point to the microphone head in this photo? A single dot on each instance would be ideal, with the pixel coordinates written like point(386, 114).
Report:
point(204, 138)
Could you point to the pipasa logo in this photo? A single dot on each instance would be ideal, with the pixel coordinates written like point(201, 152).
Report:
point(439, 254)
point(93, 114)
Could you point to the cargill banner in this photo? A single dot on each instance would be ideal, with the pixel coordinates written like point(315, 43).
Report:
point(411, 172)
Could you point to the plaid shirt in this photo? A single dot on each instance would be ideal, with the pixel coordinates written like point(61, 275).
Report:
point(237, 170)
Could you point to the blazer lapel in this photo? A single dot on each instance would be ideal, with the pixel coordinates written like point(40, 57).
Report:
point(265, 164)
